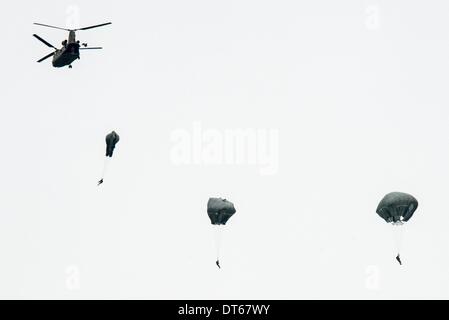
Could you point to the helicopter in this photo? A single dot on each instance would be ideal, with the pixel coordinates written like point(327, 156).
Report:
point(71, 47)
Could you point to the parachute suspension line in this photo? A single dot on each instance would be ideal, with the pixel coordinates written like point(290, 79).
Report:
point(218, 236)
point(105, 166)
point(398, 235)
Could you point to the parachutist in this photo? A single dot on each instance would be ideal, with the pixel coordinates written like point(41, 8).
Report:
point(219, 212)
point(397, 208)
point(111, 140)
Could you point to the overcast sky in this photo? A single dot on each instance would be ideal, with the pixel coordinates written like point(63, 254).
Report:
point(344, 102)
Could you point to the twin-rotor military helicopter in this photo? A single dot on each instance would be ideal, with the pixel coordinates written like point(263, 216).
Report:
point(71, 47)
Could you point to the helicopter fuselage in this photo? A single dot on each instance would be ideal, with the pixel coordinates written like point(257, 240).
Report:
point(68, 53)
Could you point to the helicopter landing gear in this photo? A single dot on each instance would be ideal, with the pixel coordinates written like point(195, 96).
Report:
point(70, 66)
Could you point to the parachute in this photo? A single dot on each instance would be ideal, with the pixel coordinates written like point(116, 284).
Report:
point(219, 211)
point(397, 208)
point(111, 140)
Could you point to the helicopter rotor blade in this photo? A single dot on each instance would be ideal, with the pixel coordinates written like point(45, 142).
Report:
point(42, 40)
point(46, 57)
point(46, 25)
point(91, 48)
point(95, 26)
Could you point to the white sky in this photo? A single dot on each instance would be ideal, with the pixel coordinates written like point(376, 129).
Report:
point(361, 110)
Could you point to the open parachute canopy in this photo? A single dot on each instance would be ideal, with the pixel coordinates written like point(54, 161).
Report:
point(219, 210)
point(397, 207)
point(111, 140)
